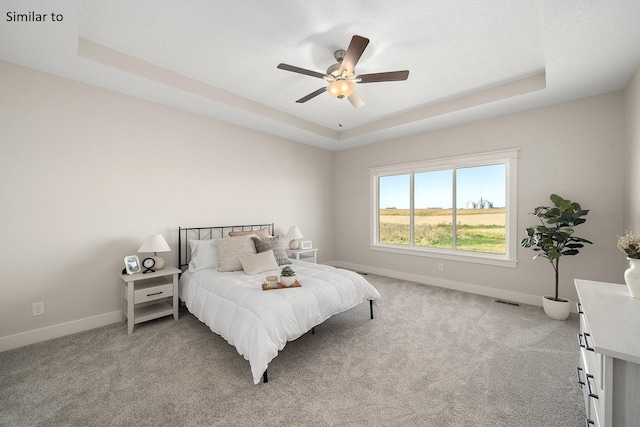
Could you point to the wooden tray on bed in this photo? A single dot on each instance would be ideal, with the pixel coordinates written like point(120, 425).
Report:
point(296, 284)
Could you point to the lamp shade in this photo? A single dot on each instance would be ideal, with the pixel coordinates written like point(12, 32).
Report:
point(294, 233)
point(155, 243)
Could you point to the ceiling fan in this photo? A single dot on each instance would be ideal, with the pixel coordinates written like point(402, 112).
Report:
point(341, 76)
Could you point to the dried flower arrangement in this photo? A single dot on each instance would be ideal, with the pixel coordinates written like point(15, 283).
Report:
point(630, 245)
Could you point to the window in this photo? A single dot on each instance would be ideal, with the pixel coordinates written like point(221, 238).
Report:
point(460, 208)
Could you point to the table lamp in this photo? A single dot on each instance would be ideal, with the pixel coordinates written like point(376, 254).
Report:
point(292, 235)
point(155, 244)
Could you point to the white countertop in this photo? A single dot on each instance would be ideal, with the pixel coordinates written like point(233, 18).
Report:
point(613, 317)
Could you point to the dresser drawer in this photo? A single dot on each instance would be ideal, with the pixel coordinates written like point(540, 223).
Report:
point(151, 290)
point(609, 321)
point(592, 382)
point(595, 413)
point(580, 371)
point(592, 359)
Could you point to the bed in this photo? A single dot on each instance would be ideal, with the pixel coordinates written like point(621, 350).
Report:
point(232, 302)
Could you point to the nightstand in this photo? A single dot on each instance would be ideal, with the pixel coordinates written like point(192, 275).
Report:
point(149, 296)
point(303, 254)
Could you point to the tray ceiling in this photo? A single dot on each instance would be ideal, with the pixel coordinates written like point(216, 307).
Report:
point(468, 60)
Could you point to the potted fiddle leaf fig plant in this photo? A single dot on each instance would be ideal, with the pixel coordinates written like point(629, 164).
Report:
point(553, 238)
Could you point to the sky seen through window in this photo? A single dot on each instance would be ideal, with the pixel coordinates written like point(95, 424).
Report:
point(434, 189)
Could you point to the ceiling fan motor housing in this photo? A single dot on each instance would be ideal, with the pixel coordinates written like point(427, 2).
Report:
point(334, 70)
point(339, 54)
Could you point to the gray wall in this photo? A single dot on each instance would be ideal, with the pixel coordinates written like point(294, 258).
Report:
point(573, 149)
point(632, 155)
point(86, 174)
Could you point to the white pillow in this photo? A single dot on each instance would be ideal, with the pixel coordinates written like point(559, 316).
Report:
point(204, 254)
point(230, 248)
point(254, 264)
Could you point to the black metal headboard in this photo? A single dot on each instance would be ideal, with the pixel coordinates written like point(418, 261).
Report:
point(205, 233)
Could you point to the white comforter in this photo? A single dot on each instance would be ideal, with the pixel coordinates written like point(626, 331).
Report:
point(259, 323)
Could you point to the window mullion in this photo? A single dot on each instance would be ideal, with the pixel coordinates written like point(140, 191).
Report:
point(411, 210)
point(376, 191)
point(454, 213)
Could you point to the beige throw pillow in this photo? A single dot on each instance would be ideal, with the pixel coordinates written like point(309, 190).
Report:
point(231, 248)
point(258, 263)
point(262, 232)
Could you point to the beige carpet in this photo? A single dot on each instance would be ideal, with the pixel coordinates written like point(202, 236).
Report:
point(431, 357)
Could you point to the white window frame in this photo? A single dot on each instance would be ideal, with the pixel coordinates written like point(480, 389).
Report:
point(506, 157)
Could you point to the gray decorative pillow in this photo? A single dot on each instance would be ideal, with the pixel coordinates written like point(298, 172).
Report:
point(276, 244)
point(231, 248)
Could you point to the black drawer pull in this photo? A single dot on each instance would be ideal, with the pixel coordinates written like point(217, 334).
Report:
point(580, 340)
point(578, 369)
point(157, 293)
point(590, 391)
point(588, 422)
point(579, 308)
point(586, 343)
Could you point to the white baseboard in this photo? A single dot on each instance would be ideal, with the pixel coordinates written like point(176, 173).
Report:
point(444, 283)
point(55, 331)
point(31, 337)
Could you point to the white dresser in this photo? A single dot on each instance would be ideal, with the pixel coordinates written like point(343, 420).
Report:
point(609, 340)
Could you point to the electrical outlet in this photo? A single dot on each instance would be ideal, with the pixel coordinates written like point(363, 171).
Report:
point(37, 308)
point(440, 266)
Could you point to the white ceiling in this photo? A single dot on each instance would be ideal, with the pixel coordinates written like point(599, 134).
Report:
point(468, 59)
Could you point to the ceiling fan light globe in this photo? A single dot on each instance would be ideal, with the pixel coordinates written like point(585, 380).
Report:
point(341, 88)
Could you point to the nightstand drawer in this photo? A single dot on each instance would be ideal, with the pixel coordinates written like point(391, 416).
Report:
point(151, 290)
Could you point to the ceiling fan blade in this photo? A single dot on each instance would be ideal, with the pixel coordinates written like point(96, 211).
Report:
point(354, 52)
point(299, 70)
point(355, 100)
point(312, 95)
point(390, 76)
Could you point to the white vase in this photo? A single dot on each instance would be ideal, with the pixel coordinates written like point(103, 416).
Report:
point(558, 310)
point(287, 280)
point(632, 277)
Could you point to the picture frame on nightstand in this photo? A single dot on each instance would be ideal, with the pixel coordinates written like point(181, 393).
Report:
point(306, 244)
point(132, 264)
